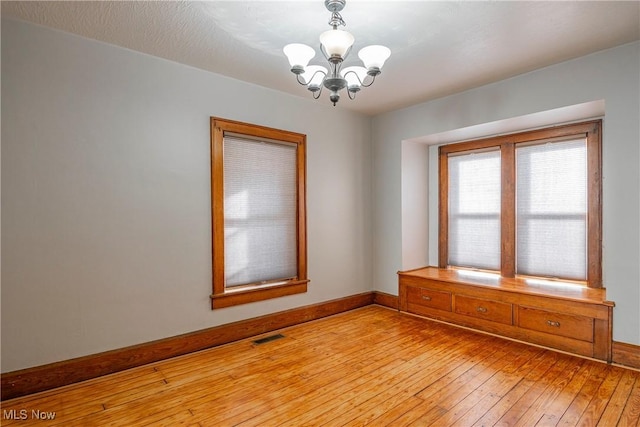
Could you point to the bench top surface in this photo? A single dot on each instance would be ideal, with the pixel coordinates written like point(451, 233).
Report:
point(544, 287)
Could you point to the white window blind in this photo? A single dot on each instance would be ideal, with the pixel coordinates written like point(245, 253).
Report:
point(551, 213)
point(260, 211)
point(474, 210)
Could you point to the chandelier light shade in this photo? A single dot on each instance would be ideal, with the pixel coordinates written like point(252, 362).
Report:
point(313, 76)
point(335, 45)
point(373, 57)
point(354, 76)
point(299, 55)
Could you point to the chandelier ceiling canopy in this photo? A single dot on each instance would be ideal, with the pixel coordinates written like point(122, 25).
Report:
point(335, 45)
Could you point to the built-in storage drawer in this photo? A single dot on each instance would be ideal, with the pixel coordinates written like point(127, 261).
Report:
point(494, 311)
point(429, 298)
point(575, 319)
point(562, 324)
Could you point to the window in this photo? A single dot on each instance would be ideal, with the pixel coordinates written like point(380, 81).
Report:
point(551, 209)
point(258, 213)
point(526, 204)
point(474, 210)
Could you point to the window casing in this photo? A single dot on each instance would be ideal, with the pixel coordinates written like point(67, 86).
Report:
point(258, 213)
point(549, 222)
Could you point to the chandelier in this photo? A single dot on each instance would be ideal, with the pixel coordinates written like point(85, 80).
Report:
point(335, 45)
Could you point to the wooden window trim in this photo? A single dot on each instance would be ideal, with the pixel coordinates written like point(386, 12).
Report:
point(507, 145)
point(222, 297)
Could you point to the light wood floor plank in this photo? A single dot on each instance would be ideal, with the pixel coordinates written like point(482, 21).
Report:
point(618, 400)
point(631, 411)
point(545, 362)
point(359, 397)
point(402, 391)
point(536, 412)
point(317, 381)
point(568, 394)
point(584, 396)
point(319, 371)
point(600, 400)
point(324, 397)
point(492, 381)
point(370, 366)
point(524, 404)
point(210, 386)
point(488, 394)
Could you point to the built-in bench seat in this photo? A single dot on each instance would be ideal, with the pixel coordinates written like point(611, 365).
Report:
point(556, 314)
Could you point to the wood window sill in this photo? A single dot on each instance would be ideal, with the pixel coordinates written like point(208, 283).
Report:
point(257, 293)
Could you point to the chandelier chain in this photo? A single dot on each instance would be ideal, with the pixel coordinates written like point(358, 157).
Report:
point(336, 20)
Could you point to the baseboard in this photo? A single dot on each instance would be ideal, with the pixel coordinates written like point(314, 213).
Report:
point(385, 299)
point(46, 377)
point(626, 354)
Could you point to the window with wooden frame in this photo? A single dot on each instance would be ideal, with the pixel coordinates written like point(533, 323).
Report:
point(258, 213)
point(526, 204)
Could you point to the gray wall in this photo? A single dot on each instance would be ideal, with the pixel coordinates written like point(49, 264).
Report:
point(106, 235)
point(609, 78)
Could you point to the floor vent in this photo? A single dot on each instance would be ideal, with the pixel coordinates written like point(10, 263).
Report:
point(268, 339)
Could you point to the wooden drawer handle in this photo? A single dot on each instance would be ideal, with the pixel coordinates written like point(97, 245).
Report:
point(481, 309)
point(553, 323)
point(426, 297)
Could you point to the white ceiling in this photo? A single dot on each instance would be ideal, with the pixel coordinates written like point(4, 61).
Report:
point(438, 47)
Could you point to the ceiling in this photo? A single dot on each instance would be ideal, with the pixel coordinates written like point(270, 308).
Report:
point(438, 47)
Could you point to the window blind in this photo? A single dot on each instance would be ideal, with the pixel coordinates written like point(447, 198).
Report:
point(474, 210)
point(551, 209)
point(260, 211)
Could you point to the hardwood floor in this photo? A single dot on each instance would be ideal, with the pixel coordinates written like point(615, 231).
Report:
point(367, 366)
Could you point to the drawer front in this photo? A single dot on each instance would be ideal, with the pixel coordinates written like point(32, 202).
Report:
point(429, 298)
point(494, 311)
point(566, 325)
